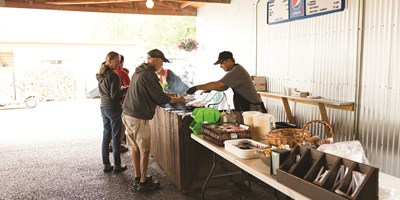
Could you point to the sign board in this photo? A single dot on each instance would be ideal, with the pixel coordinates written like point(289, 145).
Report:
point(314, 7)
point(280, 11)
point(296, 9)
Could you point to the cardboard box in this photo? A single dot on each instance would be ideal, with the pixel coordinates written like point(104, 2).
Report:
point(260, 83)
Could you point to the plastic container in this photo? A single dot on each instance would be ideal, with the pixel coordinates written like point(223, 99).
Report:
point(248, 117)
point(203, 115)
point(206, 115)
point(233, 146)
point(228, 116)
point(262, 124)
point(196, 127)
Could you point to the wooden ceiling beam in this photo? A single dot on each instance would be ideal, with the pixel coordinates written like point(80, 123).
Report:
point(206, 1)
point(171, 5)
point(186, 4)
point(163, 7)
point(139, 8)
point(80, 2)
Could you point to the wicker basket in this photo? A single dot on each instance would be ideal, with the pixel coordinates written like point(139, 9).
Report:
point(314, 140)
point(293, 136)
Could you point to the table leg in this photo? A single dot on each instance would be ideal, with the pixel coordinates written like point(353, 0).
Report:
point(247, 177)
point(324, 115)
point(203, 190)
point(289, 113)
point(208, 177)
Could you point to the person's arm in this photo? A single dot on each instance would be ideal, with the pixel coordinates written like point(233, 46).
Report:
point(172, 94)
point(177, 100)
point(216, 85)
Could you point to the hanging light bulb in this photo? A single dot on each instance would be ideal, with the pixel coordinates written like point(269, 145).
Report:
point(149, 4)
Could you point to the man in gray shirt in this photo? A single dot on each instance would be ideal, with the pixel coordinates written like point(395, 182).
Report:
point(245, 96)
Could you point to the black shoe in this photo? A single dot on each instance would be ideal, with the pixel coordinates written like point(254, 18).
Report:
point(124, 149)
point(120, 169)
point(136, 182)
point(107, 168)
point(148, 185)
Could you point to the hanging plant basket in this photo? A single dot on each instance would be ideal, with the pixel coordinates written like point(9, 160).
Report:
point(188, 44)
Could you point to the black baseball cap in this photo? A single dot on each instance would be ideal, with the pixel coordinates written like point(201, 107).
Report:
point(155, 53)
point(223, 56)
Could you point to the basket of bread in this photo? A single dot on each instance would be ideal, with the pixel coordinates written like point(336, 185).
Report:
point(317, 139)
point(293, 136)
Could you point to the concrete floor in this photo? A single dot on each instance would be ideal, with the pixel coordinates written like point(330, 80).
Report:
point(53, 152)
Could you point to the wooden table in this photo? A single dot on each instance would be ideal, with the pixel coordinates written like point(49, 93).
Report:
point(252, 166)
point(322, 103)
point(388, 185)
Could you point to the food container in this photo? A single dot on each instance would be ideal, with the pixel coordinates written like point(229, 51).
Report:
point(262, 124)
point(244, 148)
point(248, 117)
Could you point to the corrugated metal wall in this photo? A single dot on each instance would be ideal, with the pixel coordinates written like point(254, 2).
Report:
point(317, 55)
point(379, 107)
point(334, 57)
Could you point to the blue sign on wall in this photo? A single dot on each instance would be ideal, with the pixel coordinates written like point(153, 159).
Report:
point(279, 11)
point(296, 9)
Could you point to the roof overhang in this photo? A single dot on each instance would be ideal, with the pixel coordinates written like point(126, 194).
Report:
point(161, 7)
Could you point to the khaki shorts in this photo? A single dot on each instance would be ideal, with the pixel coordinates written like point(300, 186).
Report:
point(137, 133)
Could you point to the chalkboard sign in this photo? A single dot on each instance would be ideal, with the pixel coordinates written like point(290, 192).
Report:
point(280, 11)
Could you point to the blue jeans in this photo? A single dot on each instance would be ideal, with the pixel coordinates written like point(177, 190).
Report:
point(112, 123)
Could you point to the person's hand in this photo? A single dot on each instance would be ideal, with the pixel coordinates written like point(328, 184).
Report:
point(181, 100)
point(172, 94)
point(191, 90)
point(175, 100)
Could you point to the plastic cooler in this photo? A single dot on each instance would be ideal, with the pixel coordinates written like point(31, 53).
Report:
point(202, 115)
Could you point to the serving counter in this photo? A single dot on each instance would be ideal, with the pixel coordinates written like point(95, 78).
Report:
point(185, 161)
point(388, 185)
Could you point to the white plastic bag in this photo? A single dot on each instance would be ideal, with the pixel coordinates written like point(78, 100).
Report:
point(351, 150)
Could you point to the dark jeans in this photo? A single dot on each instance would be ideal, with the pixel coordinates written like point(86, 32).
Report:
point(112, 130)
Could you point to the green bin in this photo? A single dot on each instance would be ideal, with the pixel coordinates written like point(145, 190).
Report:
point(201, 115)
point(206, 115)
